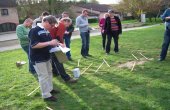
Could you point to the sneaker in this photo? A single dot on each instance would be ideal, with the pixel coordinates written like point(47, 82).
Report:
point(89, 55)
point(70, 59)
point(72, 80)
point(55, 91)
point(161, 59)
point(84, 56)
point(52, 98)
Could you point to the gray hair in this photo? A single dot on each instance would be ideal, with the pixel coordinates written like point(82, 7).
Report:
point(50, 19)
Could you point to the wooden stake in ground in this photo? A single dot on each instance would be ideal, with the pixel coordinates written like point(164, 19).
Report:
point(33, 91)
point(87, 68)
point(78, 63)
point(106, 62)
point(49, 108)
point(144, 56)
point(133, 66)
point(135, 57)
point(99, 67)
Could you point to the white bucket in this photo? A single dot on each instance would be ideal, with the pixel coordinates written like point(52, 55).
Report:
point(76, 73)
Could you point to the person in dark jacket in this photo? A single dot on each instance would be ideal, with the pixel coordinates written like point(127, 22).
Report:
point(114, 29)
point(67, 35)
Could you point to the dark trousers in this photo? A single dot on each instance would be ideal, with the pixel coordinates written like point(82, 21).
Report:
point(58, 68)
point(165, 44)
point(31, 68)
point(67, 40)
point(85, 43)
point(115, 35)
point(104, 40)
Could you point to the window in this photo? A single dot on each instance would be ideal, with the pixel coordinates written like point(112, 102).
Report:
point(4, 12)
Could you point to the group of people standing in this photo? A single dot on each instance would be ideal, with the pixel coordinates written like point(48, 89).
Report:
point(110, 28)
point(37, 38)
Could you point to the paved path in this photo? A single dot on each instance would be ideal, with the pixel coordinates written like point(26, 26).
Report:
point(12, 36)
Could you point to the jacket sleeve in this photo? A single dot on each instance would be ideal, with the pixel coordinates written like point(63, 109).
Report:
point(165, 14)
point(120, 25)
point(78, 24)
point(70, 28)
point(20, 33)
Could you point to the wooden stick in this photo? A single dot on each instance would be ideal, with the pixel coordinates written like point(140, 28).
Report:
point(87, 68)
point(144, 56)
point(135, 57)
point(106, 62)
point(133, 66)
point(49, 108)
point(78, 63)
point(33, 91)
point(99, 67)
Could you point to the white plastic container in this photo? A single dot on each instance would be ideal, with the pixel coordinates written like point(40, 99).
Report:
point(76, 73)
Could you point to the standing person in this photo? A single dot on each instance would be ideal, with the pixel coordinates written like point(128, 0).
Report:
point(114, 28)
point(103, 31)
point(22, 31)
point(67, 35)
point(83, 25)
point(39, 20)
point(58, 33)
point(40, 44)
point(166, 18)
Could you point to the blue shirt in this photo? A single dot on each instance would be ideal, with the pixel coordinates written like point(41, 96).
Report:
point(166, 14)
point(82, 23)
point(39, 35)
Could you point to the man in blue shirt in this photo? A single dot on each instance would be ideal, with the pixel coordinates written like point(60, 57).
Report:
point(40, 44)
point(166, 18)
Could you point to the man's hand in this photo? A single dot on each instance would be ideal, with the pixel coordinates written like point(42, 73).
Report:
point(62, 45)
point(53, 42)
point(66, 32)
point(167, 18)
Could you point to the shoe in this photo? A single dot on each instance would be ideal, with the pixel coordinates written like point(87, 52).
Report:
point(84, 56)
point(89, 55)
point(161, 59)
point(55, 91)
point(52, 98)
point(107, 53)
point(72, 80)
point(70, 59)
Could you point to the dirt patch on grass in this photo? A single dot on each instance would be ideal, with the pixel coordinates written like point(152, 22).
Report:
point(130, 64)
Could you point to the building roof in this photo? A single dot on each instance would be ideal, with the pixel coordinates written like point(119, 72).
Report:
point(95, 7)
point(8, 3)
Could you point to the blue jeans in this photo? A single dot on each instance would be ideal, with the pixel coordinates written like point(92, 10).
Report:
point(85, 37)
point(31, 68)
point(165, 44)
point(67, 40)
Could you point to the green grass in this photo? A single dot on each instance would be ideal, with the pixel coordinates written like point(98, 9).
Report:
point(146, 88)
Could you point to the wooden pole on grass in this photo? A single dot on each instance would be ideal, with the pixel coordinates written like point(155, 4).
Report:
point(133, 66)
point(87, 68)
point(144, 56)
point(106, 62)
point(99, 67)
point(33, 91)
point(135, 57)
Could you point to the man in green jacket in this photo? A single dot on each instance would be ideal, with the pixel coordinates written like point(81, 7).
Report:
point(22, 31)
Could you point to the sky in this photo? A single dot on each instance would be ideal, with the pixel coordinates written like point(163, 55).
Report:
point(108, 1)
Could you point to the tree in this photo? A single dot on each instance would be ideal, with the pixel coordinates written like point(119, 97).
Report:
point(94, 1)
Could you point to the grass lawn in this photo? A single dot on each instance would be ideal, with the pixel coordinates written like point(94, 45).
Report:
point(145, 88)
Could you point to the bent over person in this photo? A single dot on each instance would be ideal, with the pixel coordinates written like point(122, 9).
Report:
point(40, 44)
point(166, 18)
point(22, 31)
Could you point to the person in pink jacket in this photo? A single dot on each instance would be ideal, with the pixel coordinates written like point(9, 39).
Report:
point(103, 31)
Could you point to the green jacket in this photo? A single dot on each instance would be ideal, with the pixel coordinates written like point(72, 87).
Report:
point(22, 34)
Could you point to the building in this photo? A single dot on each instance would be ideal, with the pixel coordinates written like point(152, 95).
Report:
point(95, 10)
point(8, 15)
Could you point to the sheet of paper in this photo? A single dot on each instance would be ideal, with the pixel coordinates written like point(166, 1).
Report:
point(64, 50)
point(59, 48)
